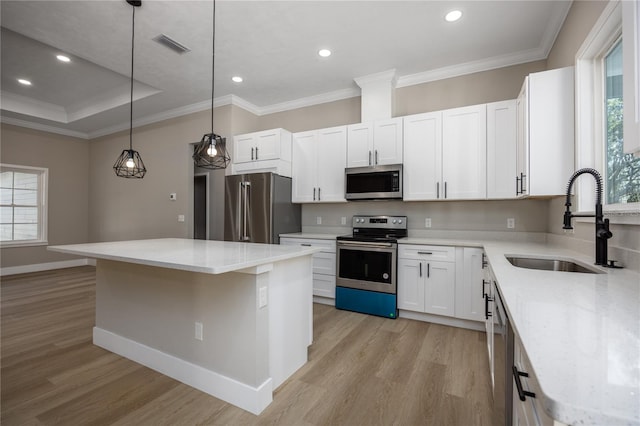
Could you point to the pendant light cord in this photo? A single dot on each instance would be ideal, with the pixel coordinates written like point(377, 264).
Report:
point(213, 62)
point(133, 32)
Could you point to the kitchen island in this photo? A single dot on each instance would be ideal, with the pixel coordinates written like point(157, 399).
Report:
point(231, 319)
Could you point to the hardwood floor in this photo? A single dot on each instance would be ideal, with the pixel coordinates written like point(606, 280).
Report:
point(362, 370)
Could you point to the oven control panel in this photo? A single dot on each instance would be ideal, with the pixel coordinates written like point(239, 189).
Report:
point(380, 222)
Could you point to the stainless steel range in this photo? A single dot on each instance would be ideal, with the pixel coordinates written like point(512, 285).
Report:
point(367, 265)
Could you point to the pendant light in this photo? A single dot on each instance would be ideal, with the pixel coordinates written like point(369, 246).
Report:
point(129, 164)
point(211, 151)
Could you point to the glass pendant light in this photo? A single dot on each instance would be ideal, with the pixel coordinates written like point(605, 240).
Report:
point(129, 164)
point(211, 152)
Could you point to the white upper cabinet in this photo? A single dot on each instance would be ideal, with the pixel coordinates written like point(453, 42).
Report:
point(422, 169)
point(545, 133)
point(268, 150)
point(464, 150)
point(501, 149)
point(445, 154)
point(377, 143)
point(319, 159)
point(631, 75)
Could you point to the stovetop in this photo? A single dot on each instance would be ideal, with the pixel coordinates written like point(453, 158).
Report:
point(377, 229)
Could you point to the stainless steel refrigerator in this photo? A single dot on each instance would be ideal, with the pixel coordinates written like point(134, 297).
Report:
point(258, 208)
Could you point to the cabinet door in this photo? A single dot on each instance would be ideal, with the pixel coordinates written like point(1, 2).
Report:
point(268, 145)
point(501, 149)
point(359, 145)
point(422, 156)
point(387, 141)
point(303, 167)
point(331, 156)
point(324, 263)
point(440, 288)
point(469, 289)
point(464, 152)
point(522, 140)
point(244, 148)
point(411, 276)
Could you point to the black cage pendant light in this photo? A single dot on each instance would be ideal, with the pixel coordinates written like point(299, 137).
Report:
point(129, 164)
point(211, 152)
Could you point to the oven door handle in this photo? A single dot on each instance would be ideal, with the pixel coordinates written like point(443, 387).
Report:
point(364, 244)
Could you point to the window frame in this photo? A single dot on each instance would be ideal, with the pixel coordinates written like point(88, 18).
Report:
point(589, 115)
point(43, 196)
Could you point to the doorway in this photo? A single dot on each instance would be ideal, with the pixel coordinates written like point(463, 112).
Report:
point(201, 206)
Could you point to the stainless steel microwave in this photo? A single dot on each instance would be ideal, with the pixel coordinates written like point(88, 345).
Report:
point(374, 182)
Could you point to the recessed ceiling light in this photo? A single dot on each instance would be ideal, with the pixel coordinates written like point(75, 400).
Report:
point(63, 58)
point(24, 82)
point(324, 53)
point(453, 16)
point(237, 79)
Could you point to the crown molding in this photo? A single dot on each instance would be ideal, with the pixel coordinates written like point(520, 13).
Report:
point(43, 127)
point(472, 67)
point(309, 101)
point(554, 26)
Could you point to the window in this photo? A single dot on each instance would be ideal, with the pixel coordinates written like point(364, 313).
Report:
point(23, 210)
point(622, 171)
point(599, 122)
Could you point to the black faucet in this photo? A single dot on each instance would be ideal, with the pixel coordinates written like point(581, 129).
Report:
point(602, 225)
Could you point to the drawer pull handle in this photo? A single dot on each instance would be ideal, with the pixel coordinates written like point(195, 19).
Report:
point(425, 252)
point(522, 394)
point(306, 245)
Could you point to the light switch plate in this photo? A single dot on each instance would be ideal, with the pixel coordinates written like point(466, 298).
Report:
point(427, 222)
point(263, 297)
point(511, 223)
point(199, 331)
point(180, 218)
point(318, 220)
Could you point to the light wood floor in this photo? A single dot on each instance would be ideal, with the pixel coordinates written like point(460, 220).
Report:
point(362, 370)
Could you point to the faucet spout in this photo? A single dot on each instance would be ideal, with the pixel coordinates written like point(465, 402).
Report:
point(602, 225)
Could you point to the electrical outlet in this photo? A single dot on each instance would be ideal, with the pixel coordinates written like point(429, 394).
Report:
point(180, 218)
point(427, 222)
point(343, 220)
point(511, 223)
point(199, 330)
point(262, 295)
point(318, 220)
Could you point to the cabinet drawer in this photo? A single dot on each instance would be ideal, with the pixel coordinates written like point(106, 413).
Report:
point(328, 246)
point(324, 263)
point(436, 253)
point(324, 285)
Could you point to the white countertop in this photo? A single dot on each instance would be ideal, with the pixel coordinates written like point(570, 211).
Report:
point(206, 256)
point(581, 332)
point(311, 236)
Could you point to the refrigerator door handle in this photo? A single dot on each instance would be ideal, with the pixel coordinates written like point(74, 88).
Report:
point(245, 210)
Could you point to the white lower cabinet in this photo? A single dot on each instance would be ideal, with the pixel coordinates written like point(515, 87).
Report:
point(525, 386)
point(324, 264)
point(424, 284)
point(470, 288)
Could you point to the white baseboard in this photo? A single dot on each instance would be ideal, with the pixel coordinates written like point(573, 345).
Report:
point(37, 267)
point(324, 300)
point(251, 399)
point(438, 319)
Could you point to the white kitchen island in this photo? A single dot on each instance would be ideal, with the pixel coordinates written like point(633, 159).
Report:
point(231, 319)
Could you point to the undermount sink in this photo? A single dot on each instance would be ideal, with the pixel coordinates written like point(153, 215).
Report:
point(547, 264)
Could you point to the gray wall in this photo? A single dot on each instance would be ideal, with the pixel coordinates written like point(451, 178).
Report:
point(67, 159)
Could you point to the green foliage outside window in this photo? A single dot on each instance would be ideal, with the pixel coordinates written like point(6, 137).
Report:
point(623, 170)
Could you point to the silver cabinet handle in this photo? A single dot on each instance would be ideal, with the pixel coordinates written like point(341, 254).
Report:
point(314, 194)
point(376, 157)
point(319, 198)
point(256, 152)
point(445, 190)
point(252, 153)
point(420, 268)
point(425, 252)
point(428, 270)
point(369, 157)
point(437, 189)
point(306, 245)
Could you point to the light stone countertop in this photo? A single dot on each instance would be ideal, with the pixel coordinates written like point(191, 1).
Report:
point(310, 236)
point(206, 256)
point(581, 332)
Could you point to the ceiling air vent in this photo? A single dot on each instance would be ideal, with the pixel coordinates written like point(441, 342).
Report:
point(167, 41)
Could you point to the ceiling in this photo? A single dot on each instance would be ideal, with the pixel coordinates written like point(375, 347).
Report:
point(273, 45)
